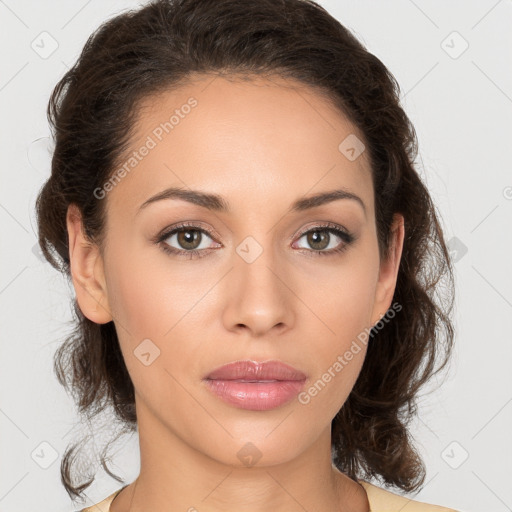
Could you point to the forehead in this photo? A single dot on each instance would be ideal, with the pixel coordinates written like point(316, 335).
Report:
point(273, 137)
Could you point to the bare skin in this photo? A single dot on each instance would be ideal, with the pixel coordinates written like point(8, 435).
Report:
point(261, 145)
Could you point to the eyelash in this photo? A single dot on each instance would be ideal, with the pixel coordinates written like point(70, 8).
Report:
point(199, 253)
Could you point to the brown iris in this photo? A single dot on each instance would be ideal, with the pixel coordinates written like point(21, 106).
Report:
point(318, 239)
point(187, 238)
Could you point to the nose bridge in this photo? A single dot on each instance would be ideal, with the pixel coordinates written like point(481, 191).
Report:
point(258, 297)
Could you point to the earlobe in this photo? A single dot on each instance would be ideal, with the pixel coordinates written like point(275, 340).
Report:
point(86, 267)
point(389, 269)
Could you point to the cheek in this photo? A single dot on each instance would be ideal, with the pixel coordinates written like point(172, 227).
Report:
point(341, 297)
point(158, 301)
point(342, 304)
point(338, 355)
point(348, 312)
point(147, 297)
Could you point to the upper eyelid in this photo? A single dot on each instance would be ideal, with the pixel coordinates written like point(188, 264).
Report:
point(181, 226)
point(323, 225)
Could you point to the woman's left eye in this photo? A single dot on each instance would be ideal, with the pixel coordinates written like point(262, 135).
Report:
point(323, 240)
point(191, 240)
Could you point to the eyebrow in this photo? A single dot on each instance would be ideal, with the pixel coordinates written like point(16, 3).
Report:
point(218, 203)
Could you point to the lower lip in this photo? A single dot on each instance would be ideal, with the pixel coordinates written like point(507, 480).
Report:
point(256, 396)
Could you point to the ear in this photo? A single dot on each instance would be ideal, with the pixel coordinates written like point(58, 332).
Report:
point(86, 267)
point(389, 270)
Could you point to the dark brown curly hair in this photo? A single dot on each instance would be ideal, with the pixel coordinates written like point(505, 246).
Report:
point(92, 112)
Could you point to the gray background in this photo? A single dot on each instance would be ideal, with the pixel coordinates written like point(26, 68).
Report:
point(460, 101)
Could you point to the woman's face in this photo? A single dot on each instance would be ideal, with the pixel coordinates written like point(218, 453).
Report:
point(251, 277)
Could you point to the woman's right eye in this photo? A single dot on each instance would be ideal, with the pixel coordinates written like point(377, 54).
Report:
point(185, 240)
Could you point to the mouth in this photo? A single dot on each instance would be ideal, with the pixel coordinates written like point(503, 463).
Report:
point(256, 386)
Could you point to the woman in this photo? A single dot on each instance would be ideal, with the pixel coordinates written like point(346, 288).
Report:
point(254, 256)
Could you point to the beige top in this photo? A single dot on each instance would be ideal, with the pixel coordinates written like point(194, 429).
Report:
point(381, 500)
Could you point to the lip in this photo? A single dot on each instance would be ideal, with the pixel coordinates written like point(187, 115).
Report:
point(256, 386)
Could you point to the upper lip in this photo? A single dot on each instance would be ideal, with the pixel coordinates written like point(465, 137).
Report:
point(253, 371)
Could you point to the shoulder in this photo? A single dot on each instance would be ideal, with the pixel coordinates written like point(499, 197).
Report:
point(382, 500)
point(104, 505)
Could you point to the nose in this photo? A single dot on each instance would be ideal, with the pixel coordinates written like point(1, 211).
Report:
point(259, 298)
